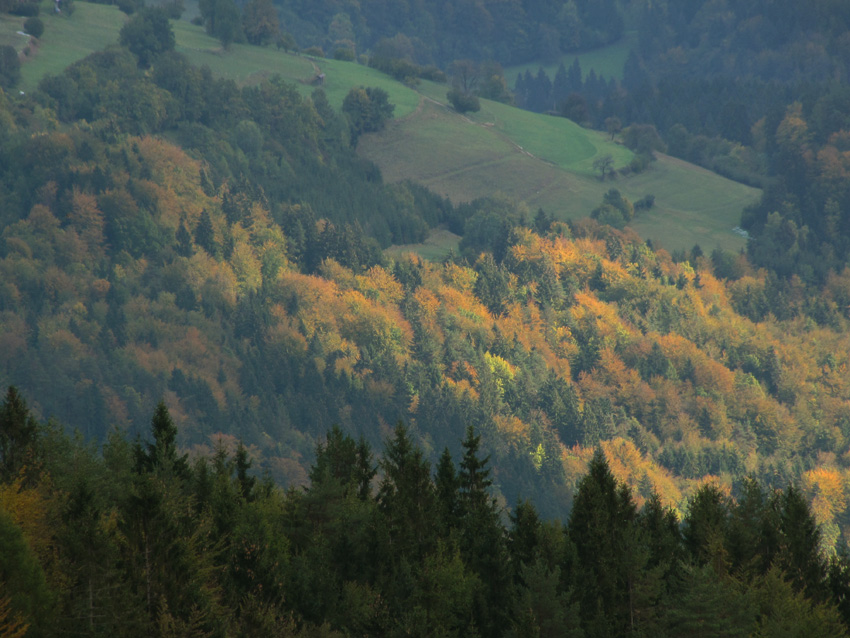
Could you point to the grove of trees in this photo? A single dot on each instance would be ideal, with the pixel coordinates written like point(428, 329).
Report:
point(138, 539)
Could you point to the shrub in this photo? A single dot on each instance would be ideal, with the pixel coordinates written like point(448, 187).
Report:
point(34, 26)
point(645, 203)
point(345, 54)
point(127, 6)
point(25, 9)
point(463, 102)
point(314, 51)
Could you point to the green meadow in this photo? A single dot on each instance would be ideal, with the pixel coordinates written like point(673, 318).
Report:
point(606, 61)
point(66, 39)
point(10, 26)
point(541, 160)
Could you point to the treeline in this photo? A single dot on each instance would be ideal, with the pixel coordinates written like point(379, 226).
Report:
point(509, 32)
point(139, 540)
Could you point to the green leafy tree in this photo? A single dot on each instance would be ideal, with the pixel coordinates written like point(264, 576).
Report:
point(259, 21)
point(368, 110)
point(446, 487)
point(205, 234)
point(10, 66)
point(222, 20)
point(161, 455)
point(162, 537)
point(347, 463)
point(147, 34)
point(541, 609)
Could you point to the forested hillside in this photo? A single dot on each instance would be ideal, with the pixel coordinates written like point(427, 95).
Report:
point(756, 91)
point(142, 541)
point(211, 253)
point(238, 283)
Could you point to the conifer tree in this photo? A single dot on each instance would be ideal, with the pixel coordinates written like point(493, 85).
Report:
point(603, 528)
point(705, 527)
point(483, 541)
point(18, 434)
point(406, 497)
point(205, 235)
point(184, 240)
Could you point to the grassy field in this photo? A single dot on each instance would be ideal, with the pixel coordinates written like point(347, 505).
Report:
point(464, 159)
point(66, 39)
point(541, 160)
point(10, 26)
point(439, 243)
point(247, 64)
point(605, 61)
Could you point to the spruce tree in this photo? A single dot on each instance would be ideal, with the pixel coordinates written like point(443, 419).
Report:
point(18, 434)
point(446, 484)
point(184, 240)
point(603, 528)
point(205, 234)
point(483, 542)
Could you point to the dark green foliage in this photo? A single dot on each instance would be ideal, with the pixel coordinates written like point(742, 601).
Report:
point(259, 22)
point(704, 527)
point(22, 578)
point(10, 67)
point(205, 235)
point(344, 462)
point(24, 8)
point(147, 34)
point(367, 109)
point(603, 528)
point(161, 455)
point(709, 606)
point(139, 541)
point(18, 435)
point(463, 102)
point(222, 20)
point(34, 26)
point(184, 240)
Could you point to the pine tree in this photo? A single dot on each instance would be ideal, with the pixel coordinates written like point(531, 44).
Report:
point(800, 556)
point(446, 485)
point(345, 462)
point(205, 234)
point(710, 606)
point(603, 528)
point(161, 455)
point(18, 435)
point(243, 464)
point(483, 542)
point(705, 527)
point(184, 240)
point(406, 498)
point(524, 536)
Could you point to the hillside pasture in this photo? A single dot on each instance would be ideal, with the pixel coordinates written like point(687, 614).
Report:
point(464, 159)
point(68, 38)
point(542, 160)
point(10, 32)
point(606, 61)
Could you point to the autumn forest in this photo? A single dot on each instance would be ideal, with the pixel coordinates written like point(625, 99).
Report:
point(229, 410)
